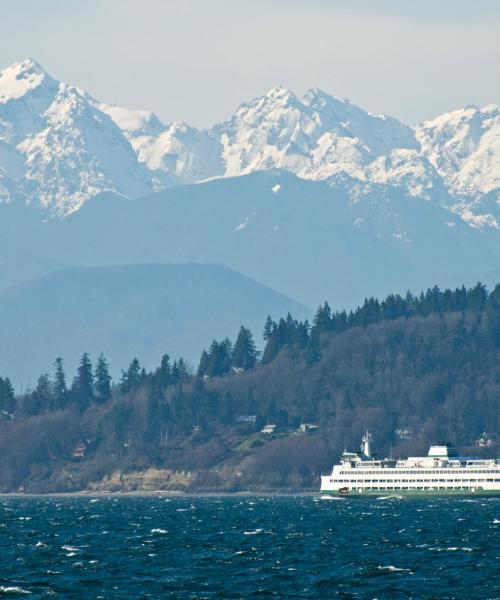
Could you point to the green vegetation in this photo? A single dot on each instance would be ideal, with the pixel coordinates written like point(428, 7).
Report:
point(429, 365)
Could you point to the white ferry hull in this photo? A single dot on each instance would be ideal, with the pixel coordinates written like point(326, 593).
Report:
point(441, 473)
point(359, 493)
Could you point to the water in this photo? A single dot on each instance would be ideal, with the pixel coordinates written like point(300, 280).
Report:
point(252, 547)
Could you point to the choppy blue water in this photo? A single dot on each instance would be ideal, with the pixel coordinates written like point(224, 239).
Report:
point(253, 547)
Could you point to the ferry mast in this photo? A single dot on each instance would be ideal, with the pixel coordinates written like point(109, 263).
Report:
point(365, 444)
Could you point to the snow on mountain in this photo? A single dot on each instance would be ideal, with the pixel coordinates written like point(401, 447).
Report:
point(56, 148)
point(464, 147)
point(176, 153)
point(314, 137)
point(80, 153)
point(59, 147)
point(23, 78)
point(409, 170)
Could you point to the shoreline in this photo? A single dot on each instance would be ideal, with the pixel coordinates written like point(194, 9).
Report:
point(155, 493)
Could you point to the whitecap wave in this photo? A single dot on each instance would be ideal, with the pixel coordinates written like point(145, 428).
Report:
point(392, 569)
point(452, 549)
point(13, 589)
point(391, 497)
point(255, 532)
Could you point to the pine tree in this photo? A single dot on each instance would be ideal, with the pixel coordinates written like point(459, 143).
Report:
point(7, 398)
point(40, 399)
point(82, 388)
point(219, 358)
point(60, 389)
point(269, 327)
point(476, 297)
point(102, 380)
point(245, 352)
point(164, 372)
point(132, 377)
point(322, 322)
point(493, 312)
point(182, 369)
point(203, 364)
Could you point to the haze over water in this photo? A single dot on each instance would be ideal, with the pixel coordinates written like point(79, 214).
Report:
point(249, 547)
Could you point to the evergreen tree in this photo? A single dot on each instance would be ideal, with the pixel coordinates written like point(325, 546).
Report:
point(219, 358)
point(132, 377)
point(60, 390)
point(82, 389)
point(179, 372)
point(493, 312)
point(158, 413)
point(322, 322)
point(40, 399)
point(203, 364)
point(102, 380)
point(272, 347)
point(269, 327)
point(153, 417)
point(164, 372)
point(7, 398)
point(245, 352)
point(477, 297)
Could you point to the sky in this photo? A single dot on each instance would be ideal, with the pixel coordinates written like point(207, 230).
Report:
point(197, 60)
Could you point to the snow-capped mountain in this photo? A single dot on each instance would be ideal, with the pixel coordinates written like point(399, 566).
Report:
point(315, 137)
point(175, 154)
point(464, 147)
point(60, 147)
point(57, 148)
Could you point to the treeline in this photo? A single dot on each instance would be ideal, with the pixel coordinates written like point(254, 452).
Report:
point(289, 332)
point(92, 385)
point(427, 363)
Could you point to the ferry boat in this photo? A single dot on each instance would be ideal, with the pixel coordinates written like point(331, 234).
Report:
point(442, 472)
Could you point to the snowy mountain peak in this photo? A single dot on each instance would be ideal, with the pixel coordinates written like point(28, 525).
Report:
point(134, 122)
point(59, 147)
point(279, 92)
point(20, 78)
point(464, 147)
point(318, 99)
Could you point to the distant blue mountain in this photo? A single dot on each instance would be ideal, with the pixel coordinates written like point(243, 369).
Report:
point(303, 238)
point(129, 311)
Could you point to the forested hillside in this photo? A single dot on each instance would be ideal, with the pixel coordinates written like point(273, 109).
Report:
point(411, 369)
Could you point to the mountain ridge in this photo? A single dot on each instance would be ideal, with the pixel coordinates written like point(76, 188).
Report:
point(60, 147)
point(127, 311)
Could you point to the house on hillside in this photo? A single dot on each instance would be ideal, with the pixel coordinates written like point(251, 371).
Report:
point(308, 427)
point(405, 433)
point(486, 440)
point(246, 419)
point(269, 428)
point(80, 449)
point(6, 416)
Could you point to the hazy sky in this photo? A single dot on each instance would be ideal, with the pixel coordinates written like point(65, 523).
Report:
point(196, 60)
